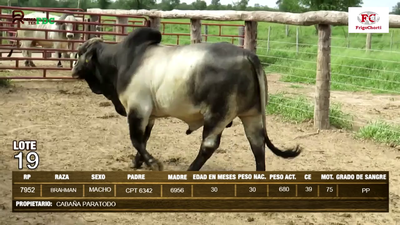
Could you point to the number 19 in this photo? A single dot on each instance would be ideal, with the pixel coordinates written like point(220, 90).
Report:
point(32, 163)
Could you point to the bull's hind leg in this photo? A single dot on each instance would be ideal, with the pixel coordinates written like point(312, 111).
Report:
point(26, 53)
point(31, 64)
point(139, 160)
point(255, 133)
point(214, 125)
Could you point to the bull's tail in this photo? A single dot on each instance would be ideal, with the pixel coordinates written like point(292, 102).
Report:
point(12, 50)
point(10, 53)
point(262, 81)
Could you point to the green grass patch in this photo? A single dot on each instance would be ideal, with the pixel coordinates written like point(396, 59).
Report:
point(296, 86)
point(300, 109)
point(5, 83)
point(380, 131)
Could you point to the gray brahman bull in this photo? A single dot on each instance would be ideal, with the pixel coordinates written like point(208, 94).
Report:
point(51, 35)
point(201, 84)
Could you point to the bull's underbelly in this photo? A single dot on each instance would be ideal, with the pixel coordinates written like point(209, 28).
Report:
point(49, 44)
point(183, 110)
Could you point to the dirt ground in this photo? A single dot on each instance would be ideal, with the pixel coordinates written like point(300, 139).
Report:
point(76, 132)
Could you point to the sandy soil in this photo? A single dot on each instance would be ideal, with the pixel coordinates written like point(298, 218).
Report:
point(76, 132)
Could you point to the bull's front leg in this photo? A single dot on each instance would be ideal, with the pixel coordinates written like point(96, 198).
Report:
point(27, 53)
point(139, 160)
point(59, 61)
point(138, 122)
point(57, 45)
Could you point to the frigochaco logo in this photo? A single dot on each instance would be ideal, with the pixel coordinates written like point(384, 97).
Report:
point(368, 18)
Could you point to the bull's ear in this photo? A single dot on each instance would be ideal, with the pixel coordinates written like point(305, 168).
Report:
point(62, 17)
point(90, 53)
point(90, 58)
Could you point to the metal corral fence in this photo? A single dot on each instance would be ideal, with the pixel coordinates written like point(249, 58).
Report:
point(89, 25)
point(178, 36)
point(86, 29)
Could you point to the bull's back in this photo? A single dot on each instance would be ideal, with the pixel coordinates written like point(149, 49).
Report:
point(181, 79)
point(226, 74)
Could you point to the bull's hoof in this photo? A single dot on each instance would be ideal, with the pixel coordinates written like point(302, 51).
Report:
point(59, 66)
point(137, 164)
point(155, 165)
point(32, 64)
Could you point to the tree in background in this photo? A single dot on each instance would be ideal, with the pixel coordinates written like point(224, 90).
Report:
point(241, 5)
point(336, 5)
point(316, 5)
point(290, 6)
point(215, 5)
point(199, 5)
point(138, 4)
point(396, 9)
point(103, 4)
point(133, 4)
point(168, 5)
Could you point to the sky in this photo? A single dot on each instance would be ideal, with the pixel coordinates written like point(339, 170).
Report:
point(271, 3)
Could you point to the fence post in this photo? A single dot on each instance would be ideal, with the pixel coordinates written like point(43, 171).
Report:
point(321, 109)
point(195, 31)
point(114, 29)
point(368, 42)
point(348, 40)
point(241, 33)
point(287, 30)
point(391, 40)
point(155, 23)
point(297, 39)
point(121, 29)
point(250, 36)
point(91, 28)
point(269, 33)
point(206, 32)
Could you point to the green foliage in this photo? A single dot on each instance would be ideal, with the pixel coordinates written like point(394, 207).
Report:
point(381, 132)
point(139, 4)
point(133, 4)
point(199, 5)
point(168, 5)
point(103, 4)
point(290, 6)
point(300, 109)
point(336, 5)
point(5, 83)
point(315, 5)
point(396, 9)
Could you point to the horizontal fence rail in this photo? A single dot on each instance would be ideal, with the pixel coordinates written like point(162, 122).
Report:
point(300, 19)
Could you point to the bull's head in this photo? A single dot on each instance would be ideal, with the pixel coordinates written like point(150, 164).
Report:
point(68, 26)
point(87, 67)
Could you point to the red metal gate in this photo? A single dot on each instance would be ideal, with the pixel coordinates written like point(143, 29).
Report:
point(86, 29)
point(89, 25)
